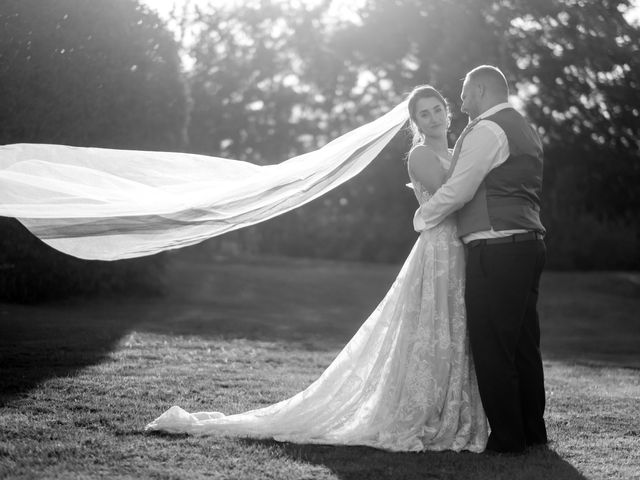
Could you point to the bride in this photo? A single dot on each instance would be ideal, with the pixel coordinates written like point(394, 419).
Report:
point(405, 381)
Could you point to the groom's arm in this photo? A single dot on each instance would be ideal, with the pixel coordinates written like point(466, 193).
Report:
point(483, 148)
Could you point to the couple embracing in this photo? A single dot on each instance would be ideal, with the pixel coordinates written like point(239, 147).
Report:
point(454, 344)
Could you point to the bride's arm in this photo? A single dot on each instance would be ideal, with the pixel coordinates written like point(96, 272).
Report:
point(425, 167)
point(482, 147)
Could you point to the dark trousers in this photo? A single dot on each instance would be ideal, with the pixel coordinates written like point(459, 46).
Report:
point(501, 295)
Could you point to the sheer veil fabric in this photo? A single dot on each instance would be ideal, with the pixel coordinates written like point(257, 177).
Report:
point(404, 382)
point(105, 204)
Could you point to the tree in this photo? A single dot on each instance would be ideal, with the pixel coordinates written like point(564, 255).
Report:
point(85, 73)
point(269, 83)
point(89, 73)
point(574, 69)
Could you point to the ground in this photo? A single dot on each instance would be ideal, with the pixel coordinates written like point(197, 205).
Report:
point(80, 378)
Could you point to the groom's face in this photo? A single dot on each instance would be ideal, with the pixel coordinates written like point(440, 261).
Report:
point(470, 99)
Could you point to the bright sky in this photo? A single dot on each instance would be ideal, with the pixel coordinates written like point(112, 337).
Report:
point(163, 7)
point(633, 15)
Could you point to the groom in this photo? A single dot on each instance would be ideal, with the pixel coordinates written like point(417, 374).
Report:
point(495, 185)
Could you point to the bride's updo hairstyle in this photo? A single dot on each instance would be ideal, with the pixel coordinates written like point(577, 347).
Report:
point(422, 91)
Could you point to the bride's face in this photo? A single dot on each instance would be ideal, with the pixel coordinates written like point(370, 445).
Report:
point(431, 117)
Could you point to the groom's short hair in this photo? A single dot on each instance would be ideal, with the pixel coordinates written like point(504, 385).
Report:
point(491, 77)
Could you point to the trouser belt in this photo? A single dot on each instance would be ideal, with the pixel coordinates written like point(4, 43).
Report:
point(518, 237)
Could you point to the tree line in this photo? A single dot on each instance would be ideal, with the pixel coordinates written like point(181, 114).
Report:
point(272, 79)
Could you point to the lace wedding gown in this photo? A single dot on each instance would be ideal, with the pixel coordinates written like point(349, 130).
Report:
point(404, 382)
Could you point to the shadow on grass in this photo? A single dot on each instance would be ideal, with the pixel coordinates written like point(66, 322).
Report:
point(278, 300)
point(54, 340)
point(591, 318)
point(363, 463)
point(316, 304)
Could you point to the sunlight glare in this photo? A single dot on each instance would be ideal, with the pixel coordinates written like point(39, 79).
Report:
point(344, 9)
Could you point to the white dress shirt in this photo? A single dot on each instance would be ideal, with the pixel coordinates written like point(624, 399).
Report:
point(484, 148)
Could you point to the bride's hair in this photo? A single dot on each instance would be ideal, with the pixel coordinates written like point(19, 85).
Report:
point(422, 91)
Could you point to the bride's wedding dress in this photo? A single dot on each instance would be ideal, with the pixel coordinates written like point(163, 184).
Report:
point(404, 382)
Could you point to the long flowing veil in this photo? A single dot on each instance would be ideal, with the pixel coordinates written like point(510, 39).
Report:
point(106, 204)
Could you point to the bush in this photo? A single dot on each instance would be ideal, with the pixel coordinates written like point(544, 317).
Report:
point(581, 241)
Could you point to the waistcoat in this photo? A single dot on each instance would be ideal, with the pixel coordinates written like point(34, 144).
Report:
point(509, 196)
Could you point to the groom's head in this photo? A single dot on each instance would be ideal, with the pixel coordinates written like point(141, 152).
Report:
point(484, 87)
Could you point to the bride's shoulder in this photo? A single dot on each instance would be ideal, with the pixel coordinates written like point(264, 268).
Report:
point(425, 167)
point(421, 155)
point(421, 150)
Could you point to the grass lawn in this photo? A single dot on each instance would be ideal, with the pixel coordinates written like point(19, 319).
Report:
point(80, 379)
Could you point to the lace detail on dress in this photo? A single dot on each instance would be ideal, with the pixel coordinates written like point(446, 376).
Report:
point(420, 191)
point(404, 382)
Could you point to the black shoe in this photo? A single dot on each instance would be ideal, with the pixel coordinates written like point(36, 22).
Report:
point(494, 449)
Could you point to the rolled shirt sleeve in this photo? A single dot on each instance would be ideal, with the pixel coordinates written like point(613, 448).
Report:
point(483, 148)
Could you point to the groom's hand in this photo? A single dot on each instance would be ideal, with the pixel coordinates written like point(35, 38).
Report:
point(418, 223)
